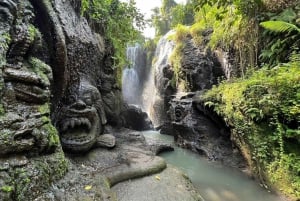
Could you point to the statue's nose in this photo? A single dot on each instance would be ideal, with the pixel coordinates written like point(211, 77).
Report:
point(79, 105)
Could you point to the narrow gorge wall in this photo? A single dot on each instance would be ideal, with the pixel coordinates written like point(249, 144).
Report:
point(177, 109)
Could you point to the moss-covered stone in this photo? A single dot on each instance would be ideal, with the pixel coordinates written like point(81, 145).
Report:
point(41, 69)
point(31, 180)
point(7, 189)
point(53, 138)
point(264, 114)
point(44, 109)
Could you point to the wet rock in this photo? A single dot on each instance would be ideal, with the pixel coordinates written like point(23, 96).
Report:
point(158, 147)
point(91, 175)
point(31, 157)
point(178, 109)
point(200, 68)
point(163, 82)
point(47, 46)
point(50, 56)
point(136, 119)
point(106, 140)
point(202, 133)
point(13, 161)
point(170, 184)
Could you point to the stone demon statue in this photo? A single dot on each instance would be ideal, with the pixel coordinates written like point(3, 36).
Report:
point(57, 87)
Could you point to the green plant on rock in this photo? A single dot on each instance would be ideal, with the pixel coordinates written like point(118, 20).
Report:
point(264, 110)
point(175, 59)
point(7, 189)
point(232, 31)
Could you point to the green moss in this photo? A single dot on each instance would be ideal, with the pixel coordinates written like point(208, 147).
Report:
point(53, 137)
point(44, 109)
point(7, 189)
point(41, 173)
point(2, 111)
point(41, 69)
point(33, 32)
point(4, 41)
point(179, 37)
point(264, 111)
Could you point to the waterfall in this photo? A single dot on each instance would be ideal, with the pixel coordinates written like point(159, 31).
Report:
point(144, 85)
point(159, 82)
point(130, 83)
point(133, 75)
point(224, 59)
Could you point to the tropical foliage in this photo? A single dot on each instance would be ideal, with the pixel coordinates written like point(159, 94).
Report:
point(264, 112)
point(261, 103)
point(170, 15)
point(279, 26)
point(281, 36)
point(120, 22)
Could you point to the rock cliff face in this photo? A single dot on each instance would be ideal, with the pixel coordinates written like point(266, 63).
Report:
point(163, 83)
point(199, 70)
point(178, 110)
point(30, 152)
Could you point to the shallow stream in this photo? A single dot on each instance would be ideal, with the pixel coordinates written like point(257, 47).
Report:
point(214, 181)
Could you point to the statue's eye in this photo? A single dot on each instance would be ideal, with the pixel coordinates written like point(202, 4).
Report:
point(96, 96)
point(88, 100)
point(71, 99)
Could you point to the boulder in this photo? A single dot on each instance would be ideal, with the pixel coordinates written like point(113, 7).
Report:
point(136, 119)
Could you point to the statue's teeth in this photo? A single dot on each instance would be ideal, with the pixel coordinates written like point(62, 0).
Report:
point(83, 121)
point(65, 126)
point(89, 124)
point(77, 122)
point(86, 122)
point(72, 123)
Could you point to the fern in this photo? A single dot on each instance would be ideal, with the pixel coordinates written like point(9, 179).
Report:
point(279, 26)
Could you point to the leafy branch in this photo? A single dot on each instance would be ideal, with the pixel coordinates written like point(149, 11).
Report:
point(280, 26)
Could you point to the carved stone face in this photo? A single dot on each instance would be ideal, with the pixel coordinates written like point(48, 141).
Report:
point(8, 9)
point(79, 123)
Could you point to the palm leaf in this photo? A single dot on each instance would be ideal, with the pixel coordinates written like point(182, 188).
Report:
point(279, 26)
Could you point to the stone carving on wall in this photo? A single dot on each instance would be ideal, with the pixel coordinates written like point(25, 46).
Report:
point(30, 151)
point(54, 68)
point(80, 122)
point(90, 99)
point(25, 123)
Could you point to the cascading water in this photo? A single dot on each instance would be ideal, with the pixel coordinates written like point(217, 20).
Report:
point(223, 58)
point(130, 83)
point(134, 75)
point(144, 88)
point(156, 86)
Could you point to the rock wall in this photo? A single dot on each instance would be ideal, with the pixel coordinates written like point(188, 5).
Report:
point(200, 69)
point(163, 83)
point(31, 157)
point(57, 89)
point(178, 110)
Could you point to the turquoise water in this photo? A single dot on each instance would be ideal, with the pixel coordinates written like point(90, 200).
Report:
point(214, 181)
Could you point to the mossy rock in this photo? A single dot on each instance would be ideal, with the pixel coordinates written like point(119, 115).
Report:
point(27, 181)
